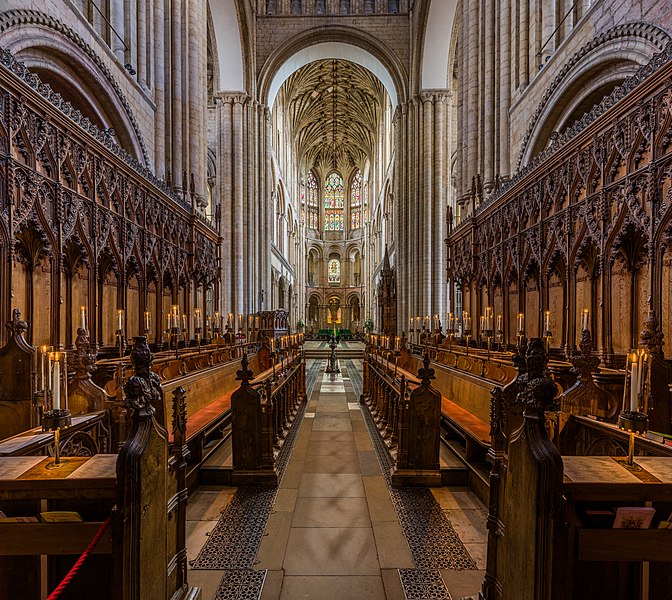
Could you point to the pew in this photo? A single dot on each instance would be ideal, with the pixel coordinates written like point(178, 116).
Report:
point(544, 501)
point(136, 502)
point(208, 377)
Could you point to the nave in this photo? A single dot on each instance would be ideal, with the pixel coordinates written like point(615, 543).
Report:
point(334, 529)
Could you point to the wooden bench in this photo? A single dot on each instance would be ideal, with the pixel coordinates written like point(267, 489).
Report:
point(465, 404)
point(208, 392)
point(474, 432)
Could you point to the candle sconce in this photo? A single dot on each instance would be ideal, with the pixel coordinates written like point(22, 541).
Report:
point(633, 418)
point(466, 326)
point(58, 416)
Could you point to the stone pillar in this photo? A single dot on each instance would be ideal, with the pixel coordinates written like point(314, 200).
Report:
point(427, 212)
point(505, 60)
point(177, 98)
point(472, 108)
point(489, 98)
point(524, 43)
point(142, 39)
point(159, 90)
point(238, 197)
point(196, 94)
point(117, 21)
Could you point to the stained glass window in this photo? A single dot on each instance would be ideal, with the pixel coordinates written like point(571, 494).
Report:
point(335, 270)
point(333, 204)
point(356, 202)
point(312, 209)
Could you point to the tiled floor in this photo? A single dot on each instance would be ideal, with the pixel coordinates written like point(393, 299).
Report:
point(334, 532)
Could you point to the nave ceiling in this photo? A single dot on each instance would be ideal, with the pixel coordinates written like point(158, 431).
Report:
point(334, 109)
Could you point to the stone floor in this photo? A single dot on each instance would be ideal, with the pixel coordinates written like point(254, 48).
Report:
point(333, 532)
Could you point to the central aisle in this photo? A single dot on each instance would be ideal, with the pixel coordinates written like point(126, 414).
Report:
point(334, 533)
point(332, 529)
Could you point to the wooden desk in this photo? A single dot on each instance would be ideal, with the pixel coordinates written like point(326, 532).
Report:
point(34, 441)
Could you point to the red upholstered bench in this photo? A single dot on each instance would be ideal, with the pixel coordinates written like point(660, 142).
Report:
point(474, 431)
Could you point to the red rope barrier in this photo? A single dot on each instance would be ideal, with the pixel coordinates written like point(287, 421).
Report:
point(80, 561)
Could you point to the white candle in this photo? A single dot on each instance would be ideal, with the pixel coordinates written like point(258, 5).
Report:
point(499, 324)
point(634, 383)
point(584, 320)
point(120, 319)
point(82, 313)
point(547, 322)
point(57, 382)
point(521, 323)
point(148, 320)
point(43, 379)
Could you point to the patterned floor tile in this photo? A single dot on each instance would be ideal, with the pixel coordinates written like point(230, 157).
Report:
point(433, 542)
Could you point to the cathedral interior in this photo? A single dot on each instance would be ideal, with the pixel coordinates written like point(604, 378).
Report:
point(335, 299)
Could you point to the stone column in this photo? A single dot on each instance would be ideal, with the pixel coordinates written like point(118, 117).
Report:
point(489, 98)
point(117, 21)
point(428, 199)
point(177, 98)
point(504, 87)
point(159, 90)
point(524, 43)
point(142, 42)
point(196, 94)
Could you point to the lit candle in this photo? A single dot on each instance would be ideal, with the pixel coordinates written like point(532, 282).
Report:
point(483, 325)
point(215, 320)
point(521, 323)
point(184, 322)
point(168, 323)
point(120, 319)
point(488, 318)
point(43, 367)
point(49, 381)
point(82, 314)
point(57, 381)
point(547, 323)
point(229, 320)
point(148, 320)
point(197, 318)
point(499, 324)
point(584, 320)
point(240, 321)
point(634, 383)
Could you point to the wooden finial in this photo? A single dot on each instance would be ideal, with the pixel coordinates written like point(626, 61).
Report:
point(244, 374)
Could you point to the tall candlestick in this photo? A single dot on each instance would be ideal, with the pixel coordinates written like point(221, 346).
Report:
point(57, 381)
point(82, 314)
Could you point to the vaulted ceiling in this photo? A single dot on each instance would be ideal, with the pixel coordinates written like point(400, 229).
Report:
point(334, 110)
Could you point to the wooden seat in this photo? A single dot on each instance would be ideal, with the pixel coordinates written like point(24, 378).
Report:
point(203, 418)
point(474, 431)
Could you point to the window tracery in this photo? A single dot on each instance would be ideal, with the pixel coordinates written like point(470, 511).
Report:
point(356, 201)
point(334, 275)
point(309, 207)
point(333, 203)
